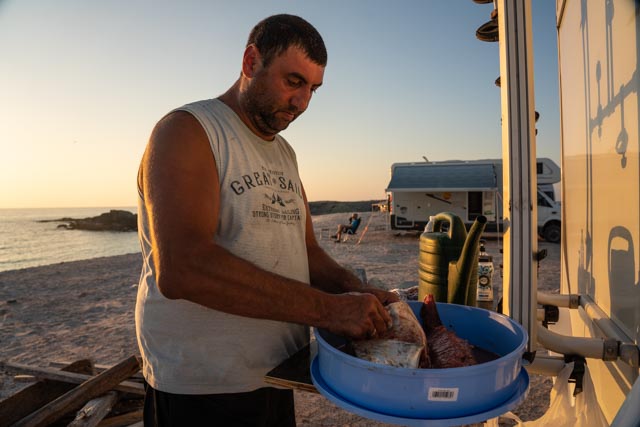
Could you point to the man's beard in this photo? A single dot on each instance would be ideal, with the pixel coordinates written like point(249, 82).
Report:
point(265, 113)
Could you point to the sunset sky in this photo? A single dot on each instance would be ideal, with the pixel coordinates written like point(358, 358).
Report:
point(82, 84)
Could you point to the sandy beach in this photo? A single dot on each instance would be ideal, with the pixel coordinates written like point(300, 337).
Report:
point(85, 309)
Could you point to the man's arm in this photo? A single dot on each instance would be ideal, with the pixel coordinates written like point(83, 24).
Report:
point(327, 275)
point(180, 184)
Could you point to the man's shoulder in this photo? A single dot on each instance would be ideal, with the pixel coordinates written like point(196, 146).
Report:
point(211, 105)
point(187, 112)
point(195, 113)
point(180, 123)
point(177, 119)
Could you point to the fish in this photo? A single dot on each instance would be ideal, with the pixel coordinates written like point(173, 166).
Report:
point(403, 345)
point(445, 349)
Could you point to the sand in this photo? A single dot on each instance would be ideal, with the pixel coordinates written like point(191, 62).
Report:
point(74, 310)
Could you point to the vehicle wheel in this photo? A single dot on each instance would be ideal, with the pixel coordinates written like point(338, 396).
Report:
point(552, 233)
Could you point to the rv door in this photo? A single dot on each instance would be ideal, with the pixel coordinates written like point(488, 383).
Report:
point(402, 211)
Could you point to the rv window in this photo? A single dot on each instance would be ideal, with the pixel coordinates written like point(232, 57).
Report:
point(542, 201)
point(474, 204)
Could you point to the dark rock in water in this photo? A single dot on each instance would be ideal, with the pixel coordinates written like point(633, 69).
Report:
point(114, 220)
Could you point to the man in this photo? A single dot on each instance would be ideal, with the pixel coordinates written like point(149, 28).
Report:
point(228, 245)
point(354, 223)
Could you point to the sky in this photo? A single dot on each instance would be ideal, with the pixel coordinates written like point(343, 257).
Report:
point(82, 83)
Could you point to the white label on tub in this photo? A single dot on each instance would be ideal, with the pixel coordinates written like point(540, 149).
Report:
point(443, 394)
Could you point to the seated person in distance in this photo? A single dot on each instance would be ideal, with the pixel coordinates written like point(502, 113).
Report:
point(354, 222)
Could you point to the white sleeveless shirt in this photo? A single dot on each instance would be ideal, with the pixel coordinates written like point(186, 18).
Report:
point(188, 348)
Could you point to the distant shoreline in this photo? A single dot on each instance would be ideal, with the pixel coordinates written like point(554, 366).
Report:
point(330, 206)
point(320, 207)
point(317, 208)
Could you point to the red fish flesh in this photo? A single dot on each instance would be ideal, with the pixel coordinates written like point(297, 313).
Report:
point(446, 349)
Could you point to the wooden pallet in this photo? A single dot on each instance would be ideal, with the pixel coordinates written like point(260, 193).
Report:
point(75, 395)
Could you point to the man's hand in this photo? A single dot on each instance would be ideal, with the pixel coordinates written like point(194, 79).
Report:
point(360, 315)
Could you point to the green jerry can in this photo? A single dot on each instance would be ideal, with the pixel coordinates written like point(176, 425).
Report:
point(448, 259)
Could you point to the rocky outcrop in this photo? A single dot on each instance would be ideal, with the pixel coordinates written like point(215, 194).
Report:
point(114, 220)
point(330, 207)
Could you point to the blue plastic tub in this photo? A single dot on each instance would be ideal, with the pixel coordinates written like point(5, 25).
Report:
point(432, 393)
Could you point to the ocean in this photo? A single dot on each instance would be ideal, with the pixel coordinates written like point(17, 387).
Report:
point(25, 242)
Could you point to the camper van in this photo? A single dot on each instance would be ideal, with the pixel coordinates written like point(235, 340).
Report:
point(468, 189)
point(596, 321)
point(599, 92)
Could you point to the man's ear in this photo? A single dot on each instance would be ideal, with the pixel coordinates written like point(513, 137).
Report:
point(251, 61)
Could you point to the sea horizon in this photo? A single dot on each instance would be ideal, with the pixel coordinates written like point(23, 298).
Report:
point(106, 208)
point(26, 242)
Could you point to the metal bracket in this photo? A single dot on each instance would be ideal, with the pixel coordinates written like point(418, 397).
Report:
point(574, 301)
point(629, 353)
point(529, 356)
point(551, 315)
point(610, 349)
point(577, 375)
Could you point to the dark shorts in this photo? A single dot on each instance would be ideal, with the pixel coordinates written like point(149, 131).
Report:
point(265, 407)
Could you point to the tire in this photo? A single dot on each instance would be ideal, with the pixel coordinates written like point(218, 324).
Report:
point(552, 232)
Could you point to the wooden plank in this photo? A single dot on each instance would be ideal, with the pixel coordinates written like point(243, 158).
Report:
point(30, 398)
point(128, 404)
point(291, 384)
point(98, 368)
point(95, 410)
point(75, 398)
point(295, 371)
point(67, 377)
point(123, 419)
point(24, 379)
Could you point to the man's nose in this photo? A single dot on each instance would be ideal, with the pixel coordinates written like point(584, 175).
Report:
point(300, 100)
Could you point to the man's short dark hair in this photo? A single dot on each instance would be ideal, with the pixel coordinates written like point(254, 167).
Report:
point(275, 34)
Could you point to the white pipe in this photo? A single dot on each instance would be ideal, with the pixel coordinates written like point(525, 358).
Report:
point(569, 301)
point(616, 343)
point(545, 365)
point(602, 321)
point(593, 348)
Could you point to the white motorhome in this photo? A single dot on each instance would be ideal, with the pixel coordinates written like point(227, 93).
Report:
point(599, 300)
point(467, 189)
point(599, 55)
